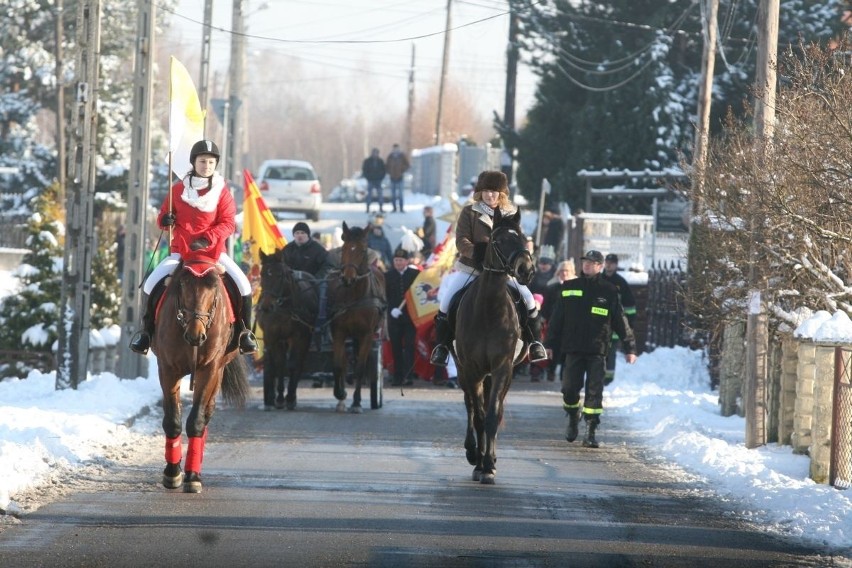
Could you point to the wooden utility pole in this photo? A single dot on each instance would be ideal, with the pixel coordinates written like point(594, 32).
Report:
point(204, 79)
point(507, 159)
point(237, 80)
point(444, 64)
point(409, 120)
point(130, 364)
point(757, 332)
point(75, 302)
point(705, 98)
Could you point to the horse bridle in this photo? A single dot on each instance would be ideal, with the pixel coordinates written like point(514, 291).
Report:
point(357, 267)
point(185, 315)
point(506, 264)
point(277, 293)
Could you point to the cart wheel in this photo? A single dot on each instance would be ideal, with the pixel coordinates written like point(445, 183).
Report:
point(374, 364)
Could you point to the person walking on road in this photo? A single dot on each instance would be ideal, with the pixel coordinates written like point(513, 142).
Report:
point(396, 165)
point(628, 303)
point(401, 329)
point(373, 170)
point(588, 311)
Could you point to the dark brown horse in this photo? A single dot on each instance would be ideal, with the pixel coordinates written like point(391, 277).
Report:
point(357, 300)
point(286, 312)
point(488, 341)
point(193, 337)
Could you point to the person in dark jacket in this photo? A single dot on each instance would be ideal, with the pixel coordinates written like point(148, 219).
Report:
point(628, 303)
point(377, 241)
point(306, 254)
point(401, 329)
point(581, 328)
point(373, 170)
point(428, 231)
point(544, 270)
point(396, 165)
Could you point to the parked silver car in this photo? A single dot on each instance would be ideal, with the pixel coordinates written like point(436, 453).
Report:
point(290, 186)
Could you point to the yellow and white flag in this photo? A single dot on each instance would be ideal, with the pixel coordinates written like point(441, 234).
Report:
point(186, 118)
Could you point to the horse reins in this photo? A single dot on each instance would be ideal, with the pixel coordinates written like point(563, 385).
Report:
point(506, 263)
point(185, 315)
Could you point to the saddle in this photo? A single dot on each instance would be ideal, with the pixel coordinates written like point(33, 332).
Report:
point(523, 316)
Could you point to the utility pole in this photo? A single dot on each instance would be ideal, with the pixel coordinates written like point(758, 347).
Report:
point(757, 332)
point(409, 120)
point(237, 79)
point(60, 100)
point(507, 159)
point(75, 302)
point(130, 364)
point(204, 80)
point(705, 99)
point(444, 64)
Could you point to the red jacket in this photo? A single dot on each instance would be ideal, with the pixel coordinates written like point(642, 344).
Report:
point(192, 223)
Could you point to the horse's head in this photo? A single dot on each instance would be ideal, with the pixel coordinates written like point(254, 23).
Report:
point(353, 255)
point(199, 298)
point(276, 278)
point(507, 251)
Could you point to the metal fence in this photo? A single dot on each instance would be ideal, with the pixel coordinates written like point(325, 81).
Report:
point(666, 310)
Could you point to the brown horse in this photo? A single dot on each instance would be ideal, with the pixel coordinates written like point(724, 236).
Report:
point(357, 300)
point(286, 312)
point(193, 337)
point(488, 336)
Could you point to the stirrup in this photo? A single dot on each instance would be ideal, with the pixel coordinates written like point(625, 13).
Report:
point(140, 342)
point(440, 356)
point(537, 352)
point(248, 344)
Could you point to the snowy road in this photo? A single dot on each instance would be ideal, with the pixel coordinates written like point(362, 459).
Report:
point(391, 487)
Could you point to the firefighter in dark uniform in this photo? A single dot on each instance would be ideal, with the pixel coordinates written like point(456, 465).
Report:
point(588, 311)
point(401, 329)
point(628, 304)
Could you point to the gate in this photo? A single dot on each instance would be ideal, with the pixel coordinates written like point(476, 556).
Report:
point(840, 470)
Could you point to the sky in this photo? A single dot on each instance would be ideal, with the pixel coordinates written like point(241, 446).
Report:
point(44, 432)
point(317, 36)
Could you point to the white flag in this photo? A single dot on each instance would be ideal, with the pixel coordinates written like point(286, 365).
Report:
point(186, 119)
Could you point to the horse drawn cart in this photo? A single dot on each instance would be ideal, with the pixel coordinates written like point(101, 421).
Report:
point(347, 346)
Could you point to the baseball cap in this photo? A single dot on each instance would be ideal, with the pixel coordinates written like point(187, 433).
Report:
point(611, 257)
point(594, 256)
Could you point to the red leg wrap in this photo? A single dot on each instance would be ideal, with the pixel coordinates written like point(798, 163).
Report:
point(195, 453)
point(174, 452)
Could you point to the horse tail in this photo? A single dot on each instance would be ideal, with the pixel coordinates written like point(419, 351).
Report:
point(235, 386)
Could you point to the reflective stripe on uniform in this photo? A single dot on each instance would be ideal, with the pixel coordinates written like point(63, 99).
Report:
point(630, 311)
point(567, 406)
point(567, 293)
point(600, 311)
point(587, 410)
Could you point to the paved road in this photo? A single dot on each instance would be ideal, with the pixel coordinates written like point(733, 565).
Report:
point(391, 487)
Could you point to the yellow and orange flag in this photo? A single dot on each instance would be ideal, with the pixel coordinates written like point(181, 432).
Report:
point(260, 233)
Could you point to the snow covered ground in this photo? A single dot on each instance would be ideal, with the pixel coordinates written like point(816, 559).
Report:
point(665, 398)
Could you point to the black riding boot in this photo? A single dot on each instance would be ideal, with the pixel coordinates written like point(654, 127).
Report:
point(589, 439)
point(141, 342)
point(536, 350)
point(571, 429)
point(441, 353)
point(248, 343)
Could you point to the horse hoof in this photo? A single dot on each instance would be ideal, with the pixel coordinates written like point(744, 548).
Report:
point(172, 481)
point(356, 410)
point(291, 405)
point(192, 483)
point(279, 404)
point(487, 479)
point(341, 406)
point(477, 474)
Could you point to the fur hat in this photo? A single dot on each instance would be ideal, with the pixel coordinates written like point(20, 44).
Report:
point(301, 226)
point(492, 180)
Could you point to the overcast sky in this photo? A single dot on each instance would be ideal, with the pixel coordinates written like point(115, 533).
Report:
point(388, 29)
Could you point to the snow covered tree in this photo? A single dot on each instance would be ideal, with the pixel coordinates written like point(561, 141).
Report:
point(619, 82)
point(28, 318)
point(782, 224)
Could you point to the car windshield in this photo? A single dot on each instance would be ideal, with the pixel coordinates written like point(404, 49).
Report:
point(290, 173)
